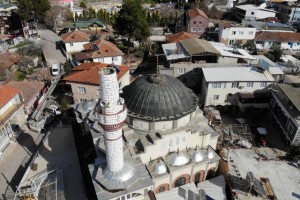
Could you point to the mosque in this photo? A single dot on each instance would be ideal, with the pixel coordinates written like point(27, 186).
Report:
point(149, 137)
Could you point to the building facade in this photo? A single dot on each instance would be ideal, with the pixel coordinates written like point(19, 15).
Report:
point(285, 40)
point(287, 13)
point(230, 33)
point(85, 82)
point(252, 12)
point(285, 108)
point(224, 86)
point(11, 114)
point(75, 40)
point(197, 22)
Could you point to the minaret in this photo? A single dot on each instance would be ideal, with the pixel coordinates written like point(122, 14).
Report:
point(111, 116)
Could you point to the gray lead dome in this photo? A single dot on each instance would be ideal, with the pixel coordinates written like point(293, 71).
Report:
point(159, 97)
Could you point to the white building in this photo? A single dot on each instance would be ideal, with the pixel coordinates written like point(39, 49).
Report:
point(100, 51)
point(225, 85)
point(11, 113)
point(75, 40)
point(252, 12)
point(285, 40)
point(229, 33)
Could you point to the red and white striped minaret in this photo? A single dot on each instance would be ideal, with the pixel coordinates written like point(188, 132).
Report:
point(111, 115)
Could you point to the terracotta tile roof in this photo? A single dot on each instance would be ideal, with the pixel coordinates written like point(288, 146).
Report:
point(98, 49)
point(29, 89)
point(5, 37)
point(197, 12)
point(277, 36)
point(179, 36)
point(7, 93)
point(8, 59)
point(91, 76)
point(75, 36)
point(88, 66)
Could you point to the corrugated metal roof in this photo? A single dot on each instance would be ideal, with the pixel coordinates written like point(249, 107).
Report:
point(196, 46)
point(231, 52)
point(230, 74)
point(275, 70)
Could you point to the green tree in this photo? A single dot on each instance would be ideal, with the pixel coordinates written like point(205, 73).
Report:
point(76, 16)
point(250, 46)
point(84, 14)
point(82, 4)
point(132, 21)
point(276, 51)
point(39, 7)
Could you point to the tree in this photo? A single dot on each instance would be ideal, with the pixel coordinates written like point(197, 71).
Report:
point(250, 46)
point(57, 16)
point(39, 7)
point(276, 51)
point(25, 64)
point(30, 50)
point(82, 4)
point(132, 21)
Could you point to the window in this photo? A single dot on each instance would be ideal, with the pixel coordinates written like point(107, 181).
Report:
point(100, 59)
point(216, 97)
point(128, 196)
point(233, 32)
point(194, 29)
point(263, 84)
point(194, 22)
point(250, 32)
point(235, 85)
point(249, 84)
point(216, 85)
point(179, 182)
point(181, 70)
point(82, 100)
point(200, 22)
point(197, 178)
point(231, 42)
point(71, 44)
point(164, 126)
point(161, 189)
point(115, 59)
point(252, 13)
point(141, 125)
point(123, 198)
point(81, 90)
point(241, 32)
point(259, 42)
point(200, 29)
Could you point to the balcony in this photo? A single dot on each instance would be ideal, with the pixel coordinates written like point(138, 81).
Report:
point(9, 112)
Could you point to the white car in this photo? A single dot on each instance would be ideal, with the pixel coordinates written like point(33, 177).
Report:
point(55, 69)
point(53, 109)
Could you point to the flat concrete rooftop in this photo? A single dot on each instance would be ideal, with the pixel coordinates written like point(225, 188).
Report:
point(284, 178)
point(59, 151)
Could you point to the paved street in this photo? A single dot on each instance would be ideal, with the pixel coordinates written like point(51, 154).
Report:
point(48, 41)
point(15, 160)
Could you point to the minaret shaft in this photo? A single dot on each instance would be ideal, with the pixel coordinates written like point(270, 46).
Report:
point(111, 116)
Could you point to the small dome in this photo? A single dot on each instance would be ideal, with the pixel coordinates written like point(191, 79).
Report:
point(160, 168)
point(159, 97)
point(88, 106)
point(198, 156)
point(210, 155)
point(179, 159)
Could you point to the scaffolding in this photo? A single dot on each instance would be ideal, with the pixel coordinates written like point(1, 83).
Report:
point(47, 184)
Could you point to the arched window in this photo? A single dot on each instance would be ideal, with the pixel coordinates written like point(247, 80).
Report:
point(180, 182)
point(161, 189)
point(197, 178)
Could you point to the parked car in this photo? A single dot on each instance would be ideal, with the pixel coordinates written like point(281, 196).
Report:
point(53, 110)
point(55, 69)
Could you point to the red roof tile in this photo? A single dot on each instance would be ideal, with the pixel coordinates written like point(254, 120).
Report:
point(91, 75)
point(29, 89)
point(103, 49)
point(7, 93)
point(75, 36)
point(277, 36)
point(8, 59)
point(179, 36)
point(87, 66)
point(197, 12)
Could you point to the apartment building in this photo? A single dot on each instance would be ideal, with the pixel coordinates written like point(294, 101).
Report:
point(287, 13)
point(11, 113)
point(230, 33)
point(285, 108)
point(241, 86)
point(197, 21)
point(85, 80)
